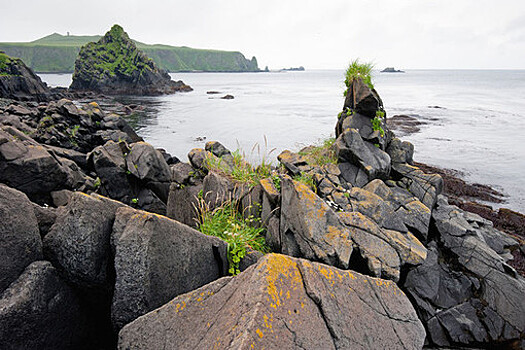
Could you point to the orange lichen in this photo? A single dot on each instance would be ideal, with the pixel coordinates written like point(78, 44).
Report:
point(259, 332)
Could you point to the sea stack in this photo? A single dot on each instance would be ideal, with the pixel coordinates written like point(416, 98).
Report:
point(115, 66)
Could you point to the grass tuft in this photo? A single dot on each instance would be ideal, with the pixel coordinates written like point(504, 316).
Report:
point(357, 69)
point(230, 225)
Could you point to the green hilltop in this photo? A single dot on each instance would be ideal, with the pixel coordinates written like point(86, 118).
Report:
point(56, 53)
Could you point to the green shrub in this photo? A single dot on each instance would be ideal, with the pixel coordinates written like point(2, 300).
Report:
point(359, 70)
point(377, 123)
point(228, 224)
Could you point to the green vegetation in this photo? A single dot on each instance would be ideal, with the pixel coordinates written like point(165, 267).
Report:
point(307, 179)
point(358, 70)
point(377, 123)
point(321, 154)
point(57, 53)
point(241, 171)
point(228, 224)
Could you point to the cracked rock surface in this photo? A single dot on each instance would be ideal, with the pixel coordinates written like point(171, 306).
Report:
point(282, 302)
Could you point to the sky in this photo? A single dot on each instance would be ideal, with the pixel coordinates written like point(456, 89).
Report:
point(328, 34)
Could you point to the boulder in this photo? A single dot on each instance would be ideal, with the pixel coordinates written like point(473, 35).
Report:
point(114, 66)
point(464, 292)
point(283, 302)
point(29, 167)
point(310, 229)
point(293, 162)
point(156, 259)
point(40, 311)
point(20, 242)
point(78, 244)
point(351, 148)
point(45, 216)
point(19, 82)
point(149, 166)
point(400, 151)
point(362, 99)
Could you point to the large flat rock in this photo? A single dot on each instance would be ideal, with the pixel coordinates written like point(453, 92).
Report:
point(286, 303)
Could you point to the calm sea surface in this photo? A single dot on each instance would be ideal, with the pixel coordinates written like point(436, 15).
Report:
point(479, 129)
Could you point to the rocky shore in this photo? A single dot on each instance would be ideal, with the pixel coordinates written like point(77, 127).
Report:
point(107, 242)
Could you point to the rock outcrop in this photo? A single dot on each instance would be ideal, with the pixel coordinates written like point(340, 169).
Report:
point(286, 303)
point(18, 82)
point(114, 66)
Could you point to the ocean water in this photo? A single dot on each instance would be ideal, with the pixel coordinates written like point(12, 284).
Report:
point(478, 129)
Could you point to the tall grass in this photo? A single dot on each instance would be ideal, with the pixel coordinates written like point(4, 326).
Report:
point(321, 154)
point(229, 224)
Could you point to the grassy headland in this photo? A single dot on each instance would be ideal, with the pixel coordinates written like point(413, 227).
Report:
point(57, 53)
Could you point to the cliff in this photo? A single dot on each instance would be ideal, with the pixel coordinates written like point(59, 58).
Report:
point(57, 53)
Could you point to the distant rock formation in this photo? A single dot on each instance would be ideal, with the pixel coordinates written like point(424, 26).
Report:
point(391, 70)
point(293, 69)
point(19, 82)
point(115, 66)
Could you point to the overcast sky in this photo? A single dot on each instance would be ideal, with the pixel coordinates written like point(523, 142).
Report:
point(469, 34)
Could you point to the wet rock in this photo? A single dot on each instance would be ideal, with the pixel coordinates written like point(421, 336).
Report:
point(78, 242)
point(40, 311)
point(351, 148)
point(20, 242)
point(156, 259)
point(283, 302)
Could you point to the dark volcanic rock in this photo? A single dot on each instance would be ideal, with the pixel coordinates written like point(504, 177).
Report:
point(362, 99)
point(283, 303)
point(465, 292)
point(18, 82)
point(351, 148)
point(156, 259)
point(115, 66)
point(78, 242)
point(40, 311)
point(20, 242)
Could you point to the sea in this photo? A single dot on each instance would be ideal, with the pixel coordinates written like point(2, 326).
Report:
point(473, 120)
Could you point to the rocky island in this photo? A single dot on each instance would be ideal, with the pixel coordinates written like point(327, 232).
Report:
point(391, 70)
point(114, 66)
point(107, 242)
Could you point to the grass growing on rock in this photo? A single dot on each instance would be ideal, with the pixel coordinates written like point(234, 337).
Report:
point(240, 169)
point(307, 179)
point(230, 225)
point(356, 70)
point(320, 155)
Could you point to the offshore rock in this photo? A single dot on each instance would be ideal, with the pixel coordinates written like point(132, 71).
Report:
point(115, 66)
point(286, 303)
